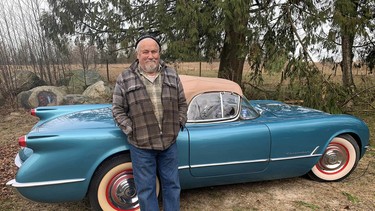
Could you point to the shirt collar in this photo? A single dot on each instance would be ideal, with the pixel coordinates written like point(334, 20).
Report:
point(150, 78)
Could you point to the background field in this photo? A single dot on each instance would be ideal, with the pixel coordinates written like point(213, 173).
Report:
point(211, 69)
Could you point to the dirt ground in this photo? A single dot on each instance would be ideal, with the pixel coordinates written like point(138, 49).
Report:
point(354, 193)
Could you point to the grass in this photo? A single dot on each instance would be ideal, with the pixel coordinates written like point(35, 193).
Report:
point(351, 197)
point(369, 119)
point(307, 205)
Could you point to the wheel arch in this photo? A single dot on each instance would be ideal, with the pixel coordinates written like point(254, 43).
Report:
point(326, 171)
point(357, 139)
point(102, 162)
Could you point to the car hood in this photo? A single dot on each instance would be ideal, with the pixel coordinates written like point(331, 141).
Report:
point(280, 109)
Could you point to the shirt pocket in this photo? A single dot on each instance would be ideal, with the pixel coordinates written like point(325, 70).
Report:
point(134, 94)
point(138, 102)
point(170, 92)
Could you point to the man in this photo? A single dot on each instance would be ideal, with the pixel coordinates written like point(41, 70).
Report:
point(149, 106)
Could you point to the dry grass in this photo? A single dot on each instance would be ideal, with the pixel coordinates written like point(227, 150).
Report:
point(211, 70)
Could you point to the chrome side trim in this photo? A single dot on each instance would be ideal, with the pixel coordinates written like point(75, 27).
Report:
point(183, 167)
point(229, 163)
point(15, 184)
point(250, 161)
point(296, 157)
point(316, 148)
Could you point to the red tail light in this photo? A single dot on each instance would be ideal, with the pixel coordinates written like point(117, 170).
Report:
point(33, 112)
point(22, 141)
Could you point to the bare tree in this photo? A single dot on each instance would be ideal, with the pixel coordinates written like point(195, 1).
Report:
point(23, 45)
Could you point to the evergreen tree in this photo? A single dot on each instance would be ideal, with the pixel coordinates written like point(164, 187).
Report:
point(271, 35)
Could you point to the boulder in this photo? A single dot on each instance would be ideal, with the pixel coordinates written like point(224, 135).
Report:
point(2, 100)
point(26, 80)
point(80, 80)
point(98, 90)
point(23, 99)
point(41, 96)
point(72, 99)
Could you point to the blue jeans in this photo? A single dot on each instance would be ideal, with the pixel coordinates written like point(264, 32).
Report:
point(146, 165)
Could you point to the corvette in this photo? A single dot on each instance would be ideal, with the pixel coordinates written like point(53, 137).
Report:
point(77, 151)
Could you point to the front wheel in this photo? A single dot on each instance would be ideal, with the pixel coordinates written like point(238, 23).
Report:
point(112, 186)
point(338, 160)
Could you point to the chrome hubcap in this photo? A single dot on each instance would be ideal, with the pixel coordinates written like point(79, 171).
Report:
point(121, 191)
point(334, 158)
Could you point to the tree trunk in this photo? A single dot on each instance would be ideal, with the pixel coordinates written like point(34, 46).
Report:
point(346, 63)
point(231, 61)
point(235, 49)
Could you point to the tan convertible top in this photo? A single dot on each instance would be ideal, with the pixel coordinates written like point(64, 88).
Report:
point(194, 85)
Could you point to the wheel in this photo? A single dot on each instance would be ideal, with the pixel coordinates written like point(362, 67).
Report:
point(112, 186)
point(338, 160)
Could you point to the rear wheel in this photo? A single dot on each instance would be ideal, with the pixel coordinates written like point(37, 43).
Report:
point(338, 160)
point(112, 186)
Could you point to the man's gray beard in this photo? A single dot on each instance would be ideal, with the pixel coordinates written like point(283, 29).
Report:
point(151, 67)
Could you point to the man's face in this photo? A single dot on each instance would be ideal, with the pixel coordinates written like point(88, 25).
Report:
point(148, 55)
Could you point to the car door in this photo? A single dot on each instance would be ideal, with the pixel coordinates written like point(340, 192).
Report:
point(229, 145)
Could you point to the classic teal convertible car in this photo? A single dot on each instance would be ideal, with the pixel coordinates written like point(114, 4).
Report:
point(77, 151)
